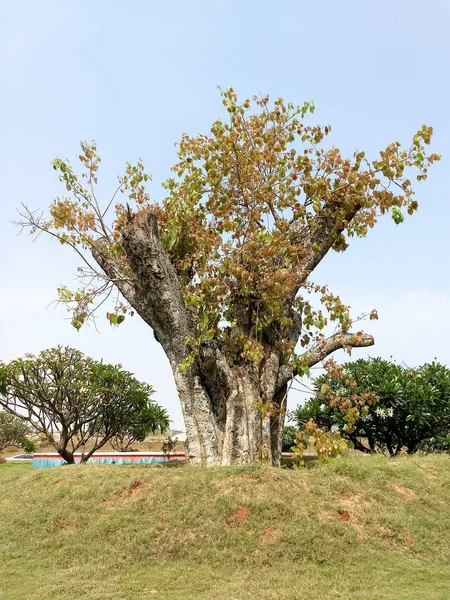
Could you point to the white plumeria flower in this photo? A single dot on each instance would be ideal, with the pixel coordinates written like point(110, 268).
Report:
point(384, 412)
point(341, 390)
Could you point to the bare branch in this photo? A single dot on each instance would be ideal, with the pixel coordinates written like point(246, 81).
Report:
point(114, 269)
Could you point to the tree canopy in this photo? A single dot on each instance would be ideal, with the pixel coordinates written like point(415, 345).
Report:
point(247, 217)
point(153, 419)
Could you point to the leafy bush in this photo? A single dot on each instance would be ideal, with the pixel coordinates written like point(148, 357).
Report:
point(438, 444)
point(3, 380)
point(289, 438)
point(380, 405)
point(14, 432)
point(169, 444)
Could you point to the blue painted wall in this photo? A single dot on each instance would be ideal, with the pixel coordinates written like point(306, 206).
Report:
point(41, 462)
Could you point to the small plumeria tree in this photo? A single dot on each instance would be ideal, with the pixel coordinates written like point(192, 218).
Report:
point(77, 403)
point(379, 405)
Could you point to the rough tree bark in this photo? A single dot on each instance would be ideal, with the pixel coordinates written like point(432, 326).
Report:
point(219, 399)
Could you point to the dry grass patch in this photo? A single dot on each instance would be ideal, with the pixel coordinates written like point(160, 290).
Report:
point(339, 531)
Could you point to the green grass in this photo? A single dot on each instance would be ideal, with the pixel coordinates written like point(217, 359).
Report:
point(358, 528)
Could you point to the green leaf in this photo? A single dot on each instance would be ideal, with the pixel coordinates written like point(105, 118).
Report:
point(117, 250)
point(397, 215)
point(171, 240)
point(115, 319)
point(77, 323)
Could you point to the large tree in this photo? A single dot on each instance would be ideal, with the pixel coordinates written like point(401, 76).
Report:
point(77, 403)
point(221, 269)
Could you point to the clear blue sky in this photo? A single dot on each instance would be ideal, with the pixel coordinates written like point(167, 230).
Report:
point(135, 75)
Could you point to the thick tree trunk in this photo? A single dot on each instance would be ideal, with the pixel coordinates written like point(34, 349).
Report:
point(230, 421)
point(221, 401)
point(358, 445)
point(233, 410)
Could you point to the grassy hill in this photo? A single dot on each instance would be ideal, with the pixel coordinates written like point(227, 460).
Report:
point(358, 528)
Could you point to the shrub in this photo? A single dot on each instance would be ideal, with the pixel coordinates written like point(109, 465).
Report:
point(438, 444)
point(150, 419)
point(14, 432)
point(289, 438)
point(380, 405)
point(169, 444)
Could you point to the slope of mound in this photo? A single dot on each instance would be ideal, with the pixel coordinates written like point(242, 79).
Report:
point(360, 527)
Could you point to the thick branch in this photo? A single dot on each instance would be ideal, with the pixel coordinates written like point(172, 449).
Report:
point(114, 269)
point(319, 237)
point(159, 298)
point(324, 348)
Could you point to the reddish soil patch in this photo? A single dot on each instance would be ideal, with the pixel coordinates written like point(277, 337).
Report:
point(268, 537)
point(405, 492)
point(409, 540)
point(134, 487)
point(343, 515)
point(353, 513)
point(239, 516)
point(242, 513)
point(393, 539)
point(270, 534)
point(132, 490)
